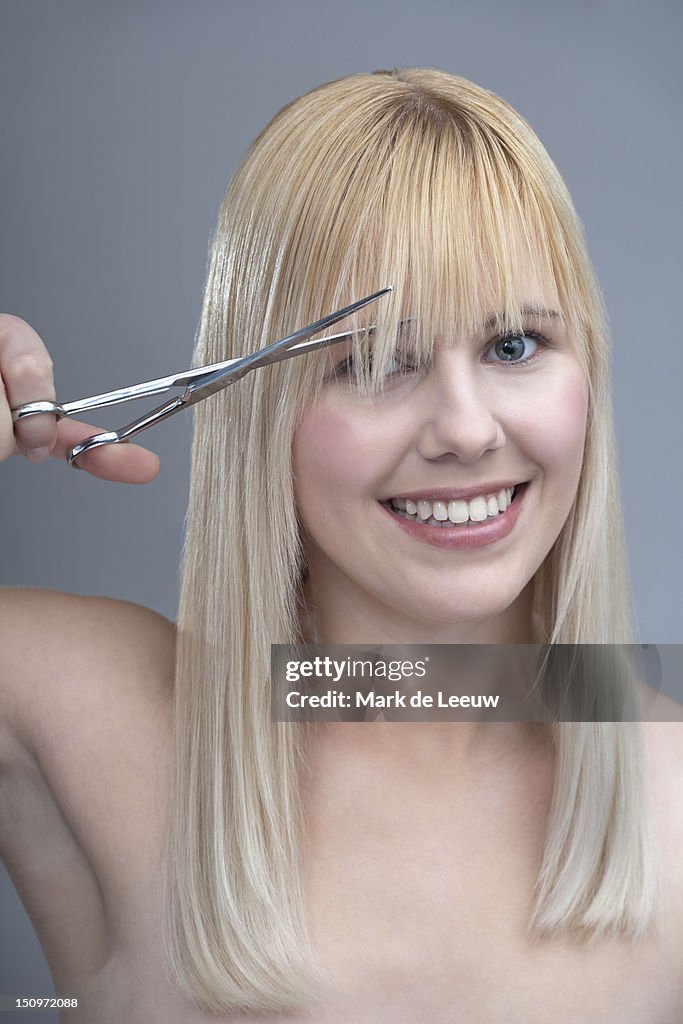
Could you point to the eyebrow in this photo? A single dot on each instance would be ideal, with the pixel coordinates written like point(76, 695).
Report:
point(531, 311)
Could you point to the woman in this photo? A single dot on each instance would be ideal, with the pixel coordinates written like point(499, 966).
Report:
point(399, 872)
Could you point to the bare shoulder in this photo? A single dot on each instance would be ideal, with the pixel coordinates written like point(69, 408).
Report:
point(663, 745)
point(66, 655)
point(86, 687)
point(664, 768)
point(662, 725)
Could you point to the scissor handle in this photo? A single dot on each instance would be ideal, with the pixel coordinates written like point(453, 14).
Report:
point(122, 435)
point(96, 441)
point(35, 408)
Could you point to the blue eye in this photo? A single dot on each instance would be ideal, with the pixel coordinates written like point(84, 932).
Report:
point(511, 346)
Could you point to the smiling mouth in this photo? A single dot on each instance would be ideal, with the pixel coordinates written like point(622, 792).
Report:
point(452, 514)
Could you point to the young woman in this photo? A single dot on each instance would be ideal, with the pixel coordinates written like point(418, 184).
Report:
point(184, 857)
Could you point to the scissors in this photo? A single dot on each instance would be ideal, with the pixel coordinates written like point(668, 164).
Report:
point(198, 384)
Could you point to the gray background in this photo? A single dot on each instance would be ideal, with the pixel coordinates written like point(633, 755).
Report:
point(121, 124)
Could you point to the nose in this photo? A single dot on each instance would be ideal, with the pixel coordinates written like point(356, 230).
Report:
point(458, 417)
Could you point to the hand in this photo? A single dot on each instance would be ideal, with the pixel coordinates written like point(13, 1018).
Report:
point(26, 375)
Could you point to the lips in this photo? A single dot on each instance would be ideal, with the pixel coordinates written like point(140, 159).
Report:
point(463, 537)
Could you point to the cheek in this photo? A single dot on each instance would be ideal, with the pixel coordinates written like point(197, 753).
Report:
point(342, 458)
point(327, 454)
point(555, 428)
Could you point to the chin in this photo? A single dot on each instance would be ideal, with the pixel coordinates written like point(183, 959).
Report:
point(459, 611)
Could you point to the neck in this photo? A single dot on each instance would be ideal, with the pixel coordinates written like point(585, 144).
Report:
point(338, 618)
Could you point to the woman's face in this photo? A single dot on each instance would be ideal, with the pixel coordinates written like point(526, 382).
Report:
point(475, 418)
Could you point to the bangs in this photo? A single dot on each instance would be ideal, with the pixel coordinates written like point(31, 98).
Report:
point(457, 207)
point(457, 232)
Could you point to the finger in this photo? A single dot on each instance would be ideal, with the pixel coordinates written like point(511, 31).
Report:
point(121, 463)
point(7, 441)
point(28, 376)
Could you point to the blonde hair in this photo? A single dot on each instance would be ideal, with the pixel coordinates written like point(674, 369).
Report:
point(425, 181)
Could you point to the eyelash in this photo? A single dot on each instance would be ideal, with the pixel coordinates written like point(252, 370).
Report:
point(346, 366)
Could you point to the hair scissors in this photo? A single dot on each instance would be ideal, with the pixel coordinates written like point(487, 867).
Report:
point(198, 383)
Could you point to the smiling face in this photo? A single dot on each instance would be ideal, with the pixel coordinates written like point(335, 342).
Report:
point(441, 190)
point(382, 569)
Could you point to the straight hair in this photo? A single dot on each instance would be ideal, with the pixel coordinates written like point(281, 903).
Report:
point(422, 180)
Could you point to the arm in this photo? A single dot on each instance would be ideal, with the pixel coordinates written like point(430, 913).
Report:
point(84, 702)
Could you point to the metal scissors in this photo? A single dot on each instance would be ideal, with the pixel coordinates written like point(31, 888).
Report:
point(198, 384)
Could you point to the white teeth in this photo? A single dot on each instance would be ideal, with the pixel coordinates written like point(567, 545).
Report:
point(457, 511)
point(478, 511)
point(440, 511)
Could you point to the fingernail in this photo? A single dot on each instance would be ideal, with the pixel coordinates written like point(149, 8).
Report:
point(38, 454)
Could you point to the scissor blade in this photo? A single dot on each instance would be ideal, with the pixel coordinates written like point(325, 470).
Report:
point(197, 376)
point(200, 374)
point(278, 350)
point(196, 392)
point(159, 386)
point(146, 389)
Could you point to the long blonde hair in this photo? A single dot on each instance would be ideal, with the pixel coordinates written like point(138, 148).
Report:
point(423, 180)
